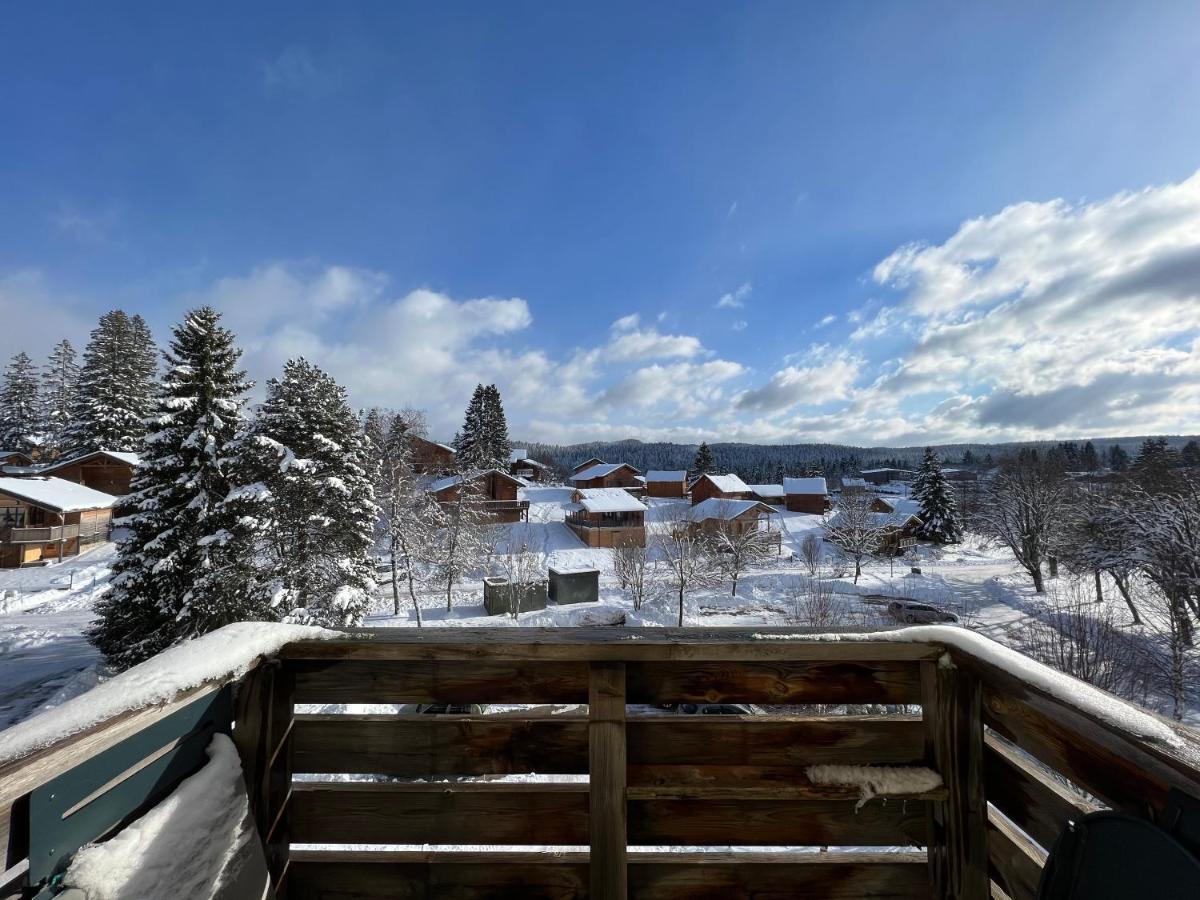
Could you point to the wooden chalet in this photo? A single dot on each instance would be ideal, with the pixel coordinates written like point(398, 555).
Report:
point(767, 493)
point(109, 471)
point(15, 458)
point(898, 520)
point(522, 465)
point(607, 517)
point(994, 756)
point(430, 457)
point(886, 475)
point(496, 493)
point(806, 495)
point(733, 517)
point(724, 487)
point(587, 464)
point(661, 483)
point(45, 518)
point(607, 475)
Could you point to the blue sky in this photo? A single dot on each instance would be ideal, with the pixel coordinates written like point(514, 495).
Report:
point(871, 222)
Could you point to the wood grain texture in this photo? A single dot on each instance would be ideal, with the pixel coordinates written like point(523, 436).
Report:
point(779, 683)
point(606, 768)
point(1015, 862)
point(452, 681)
point(438, 813)
point(1038, 804)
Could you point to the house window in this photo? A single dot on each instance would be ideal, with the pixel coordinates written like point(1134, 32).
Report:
point(12, 517)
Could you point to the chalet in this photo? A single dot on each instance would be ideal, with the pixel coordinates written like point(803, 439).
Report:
point(15, 458)
point(49, 518)
point(850, 485)
point(430, 457)
point(767, 493)
point(897, 518)
point(671, 483)
point(730, 516)
point(806, 495)
point(886, 476)
point(607, 475)
point(493, 491)
point(587, 464)
point(724, 487)
point(109, 471)
point(522, 465)
point(607, 517)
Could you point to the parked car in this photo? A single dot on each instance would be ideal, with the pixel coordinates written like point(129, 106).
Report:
point(910, 612)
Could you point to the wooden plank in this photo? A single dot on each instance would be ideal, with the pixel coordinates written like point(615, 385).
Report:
point(957, 830)
point(600, 643)
point(416, 746)
point(745, 783)
point(452, 681)
point(717, 822)
point(438, 813)
point(1037, 803)
point(778, 683)
point(606, 769)
point(336, 880)
point(1015, 862)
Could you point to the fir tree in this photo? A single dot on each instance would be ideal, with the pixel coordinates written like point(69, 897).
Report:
point(307, 488)
point(470, 442)
point(1118, 459)
point(495, 430)
point(939, 513)
point(180, 572)
point(116, 386)
point(704, 462)
point(1153, 465)
point(59, 383)
point(1190, 454)
point(1089, 459)
point(20, 413)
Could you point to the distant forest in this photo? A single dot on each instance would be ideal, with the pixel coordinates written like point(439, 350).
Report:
point(768, 463)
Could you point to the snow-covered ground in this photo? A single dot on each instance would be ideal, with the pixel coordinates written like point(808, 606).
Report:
point(45, 658)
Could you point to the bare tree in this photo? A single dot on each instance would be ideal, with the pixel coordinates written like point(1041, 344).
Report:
point(857, 529)
point(810, 553)
point(1025, 511)
point(686, 555)
point(632, 569)
point(462, 539)
point(816, 604)
point(737, 548)
point(524, 565)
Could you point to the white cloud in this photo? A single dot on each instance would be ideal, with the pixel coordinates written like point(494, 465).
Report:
point(826, 376)
point(296, 70)
point(736, 299)
point(740, 325)
point(827, 320)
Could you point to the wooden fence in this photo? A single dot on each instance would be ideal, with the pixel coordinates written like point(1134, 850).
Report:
point(640, 802)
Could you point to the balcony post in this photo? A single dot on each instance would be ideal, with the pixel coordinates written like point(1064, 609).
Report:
point(952, 706)
point(606, 767)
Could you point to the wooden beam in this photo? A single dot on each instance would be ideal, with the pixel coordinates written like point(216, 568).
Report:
point(606, 767)
point(952, 700)
point(1015, 862)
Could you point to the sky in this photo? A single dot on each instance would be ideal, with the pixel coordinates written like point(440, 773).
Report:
point(879, 223)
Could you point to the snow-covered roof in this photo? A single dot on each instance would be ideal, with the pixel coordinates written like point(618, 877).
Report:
point(599, 471)
point(609, 500)
point(905, 506)
point(804, 486)
point(718, 508)
point(56, 494)
point(894, 519)
point(5, 454)
point(854, 483)
point(131, 459)
point(441, 484)
point(767, 490)
point(728, 484)
point(517, 455)
point(667, 475)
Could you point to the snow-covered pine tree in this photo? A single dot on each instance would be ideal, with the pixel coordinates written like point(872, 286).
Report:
point(704, 462)
point(60, 378)
point(470, 442)
point(20, 409)
point(303, 466)
point(495, 430)
point(939, 512)
point(178, 572)
point(116, 386)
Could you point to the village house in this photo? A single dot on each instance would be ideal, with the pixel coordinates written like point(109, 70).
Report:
point(724, 487)
point(886, 476)
point(15, 458)
point(430, 457)
point(733, 517)
point(898, 518)
point(806, 495)
point(607, 475)
point(607, 517)
point(767, 493)
point(49, 518)
point(109, 471)
point(587, 464)
point(849, 485)
point(494, 492)
point(521, 465)
point(660, 483)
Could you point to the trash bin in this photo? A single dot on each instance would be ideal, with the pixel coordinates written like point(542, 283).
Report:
point(574, 585)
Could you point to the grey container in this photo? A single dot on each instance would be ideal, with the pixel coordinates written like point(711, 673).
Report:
point(574, 585)
point(499, 596)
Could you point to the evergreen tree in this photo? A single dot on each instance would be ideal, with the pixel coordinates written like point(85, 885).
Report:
point(939, 512)
point(20, 413)
point(1153, 465)
point(495, 430)
point(470, 442)
point(116, 386)
point(1089, 459)
point(1118, 459)
point(59, 383)
point(1190, 454)
point(307, 488)
point(704, 462)
point(180, 572)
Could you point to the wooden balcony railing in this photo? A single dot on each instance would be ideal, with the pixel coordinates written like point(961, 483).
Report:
point(634, 801)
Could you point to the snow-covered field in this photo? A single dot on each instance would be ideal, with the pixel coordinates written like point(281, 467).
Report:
point(45, 658)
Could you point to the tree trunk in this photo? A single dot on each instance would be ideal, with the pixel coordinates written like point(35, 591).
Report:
point(734, 591)
point(395, 587)
point(857, 569)
point(1039, 585)
point(681, 606)
point(1124, 589)
point(1099, 587)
